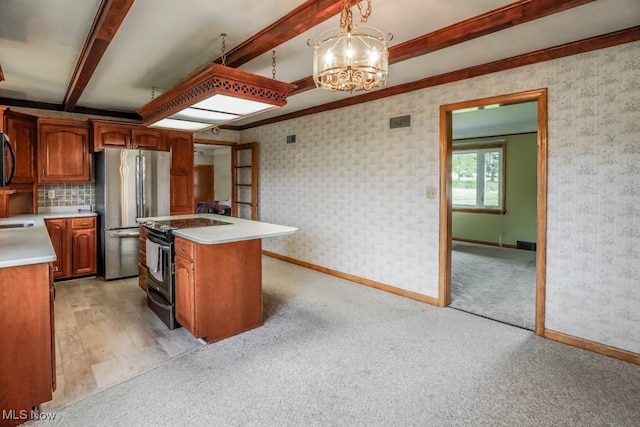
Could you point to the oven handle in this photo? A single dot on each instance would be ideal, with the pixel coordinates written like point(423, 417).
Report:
point(153, 299)
point(163, 243)
point(122, 234)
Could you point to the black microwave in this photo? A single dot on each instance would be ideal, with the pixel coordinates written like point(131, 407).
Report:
point(7, 161)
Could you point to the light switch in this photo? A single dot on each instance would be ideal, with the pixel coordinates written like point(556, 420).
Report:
point(52, 194)
point(432, 192)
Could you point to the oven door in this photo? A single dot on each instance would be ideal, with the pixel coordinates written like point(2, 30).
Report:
point(162, 283)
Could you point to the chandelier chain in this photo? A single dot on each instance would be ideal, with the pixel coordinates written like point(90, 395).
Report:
point(224, 48)
point(346, 15)
point(273, 64)
point(153, 92)
point(364, 16)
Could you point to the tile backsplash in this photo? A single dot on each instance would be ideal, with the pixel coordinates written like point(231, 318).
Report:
point(71, 194)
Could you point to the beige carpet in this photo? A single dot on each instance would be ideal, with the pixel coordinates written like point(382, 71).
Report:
point(335, 353)
point(494, 282)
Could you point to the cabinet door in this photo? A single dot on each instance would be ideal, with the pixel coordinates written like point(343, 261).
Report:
point(57, 229)
point(83, 251)
point(22, 131)
point(142, 258)
point(181, 146)
point(185, 294)
point(106, 135)
point(63, 153)
point(146, 139)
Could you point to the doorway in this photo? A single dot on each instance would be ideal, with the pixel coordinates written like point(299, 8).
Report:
point(446, 192)
point(212, 175)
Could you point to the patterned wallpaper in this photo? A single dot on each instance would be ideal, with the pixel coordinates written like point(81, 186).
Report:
point(356, 190)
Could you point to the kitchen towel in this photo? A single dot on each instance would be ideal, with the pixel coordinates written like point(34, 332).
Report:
point(154, 260)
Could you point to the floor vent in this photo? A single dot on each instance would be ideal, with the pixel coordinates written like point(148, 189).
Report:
point(528, 246)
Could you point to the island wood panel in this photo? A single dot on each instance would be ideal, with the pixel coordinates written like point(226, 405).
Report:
point(185, 295)
point(26, 359)
point(227, 288)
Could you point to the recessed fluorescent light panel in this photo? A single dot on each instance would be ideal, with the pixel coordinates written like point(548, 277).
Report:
point(180, 124)
point(208, 116)
point(231, 105)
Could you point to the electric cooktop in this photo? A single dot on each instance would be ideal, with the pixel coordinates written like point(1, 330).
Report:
point(191, 222)
point(167, 225)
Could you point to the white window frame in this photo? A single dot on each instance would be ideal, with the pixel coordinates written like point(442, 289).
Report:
point(480, 179)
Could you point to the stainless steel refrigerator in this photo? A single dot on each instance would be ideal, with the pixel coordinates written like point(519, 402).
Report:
point(130, 184)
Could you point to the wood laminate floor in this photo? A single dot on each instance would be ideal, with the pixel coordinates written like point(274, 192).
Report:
point(105, 334)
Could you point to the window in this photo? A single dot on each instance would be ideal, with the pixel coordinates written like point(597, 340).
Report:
point(478, 179)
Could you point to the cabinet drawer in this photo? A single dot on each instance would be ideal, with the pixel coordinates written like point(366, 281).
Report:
point(84, 222)
point(184, 248)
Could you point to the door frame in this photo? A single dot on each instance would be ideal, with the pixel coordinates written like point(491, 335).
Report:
point(252, 147)
point(445, 231)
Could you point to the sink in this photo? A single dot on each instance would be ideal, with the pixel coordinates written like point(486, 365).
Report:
point(17, 224)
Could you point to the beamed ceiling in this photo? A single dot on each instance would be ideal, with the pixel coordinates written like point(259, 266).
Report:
point(104, 57)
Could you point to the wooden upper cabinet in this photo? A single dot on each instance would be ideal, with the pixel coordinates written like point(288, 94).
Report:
point(121, 135)
point(146, 139)
point(181, 186)
point(107, 135)
point(181, 147)
point(23, 136)
point(63, 151)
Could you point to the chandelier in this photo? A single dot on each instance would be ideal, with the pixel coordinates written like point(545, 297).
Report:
point(350, 57)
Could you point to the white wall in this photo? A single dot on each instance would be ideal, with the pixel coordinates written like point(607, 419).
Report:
point(357, 190)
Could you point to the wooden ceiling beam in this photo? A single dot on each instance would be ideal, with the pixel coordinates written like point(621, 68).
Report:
point(294, 23)
point(615, 38)
point(110, 15)
point(490, 22)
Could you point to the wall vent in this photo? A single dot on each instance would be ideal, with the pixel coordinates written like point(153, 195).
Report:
point(291, 139)
point(400, 122)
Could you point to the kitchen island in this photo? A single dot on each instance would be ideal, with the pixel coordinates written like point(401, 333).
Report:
point(218, 274)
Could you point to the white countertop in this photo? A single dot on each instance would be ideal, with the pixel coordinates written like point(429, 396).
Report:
point(239, 229)
point(65, 212)
point(23, 246)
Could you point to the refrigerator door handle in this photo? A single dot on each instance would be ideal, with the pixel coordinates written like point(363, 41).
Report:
point(138, 187)
point(143, 186)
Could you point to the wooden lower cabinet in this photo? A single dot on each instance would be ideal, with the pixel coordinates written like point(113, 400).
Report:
point(74, 241)
point(58, 234)
point(27, 358)
point(83, 250)
point(185, 294)
point(142, 258)
point(218, 287)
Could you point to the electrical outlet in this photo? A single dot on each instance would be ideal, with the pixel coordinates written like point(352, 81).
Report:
point(52, 194)
point(432, 192)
